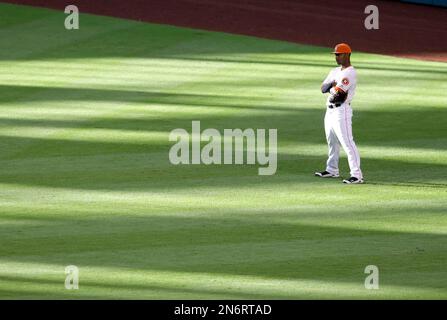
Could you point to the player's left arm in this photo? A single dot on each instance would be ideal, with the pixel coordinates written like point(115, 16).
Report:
point(339, 92)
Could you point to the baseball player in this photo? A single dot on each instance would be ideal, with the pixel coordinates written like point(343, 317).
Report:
point(340, 84)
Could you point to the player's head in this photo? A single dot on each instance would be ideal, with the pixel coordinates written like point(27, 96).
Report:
point(342, 53)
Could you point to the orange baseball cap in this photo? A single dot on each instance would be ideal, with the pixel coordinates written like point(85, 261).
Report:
point(342, 48)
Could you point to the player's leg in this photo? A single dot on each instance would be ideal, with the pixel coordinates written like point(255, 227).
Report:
point(333, 145)
point(333, 150)
point(343, 130)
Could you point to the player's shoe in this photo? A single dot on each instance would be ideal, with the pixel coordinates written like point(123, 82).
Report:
point(353, 180)
point(326, 174)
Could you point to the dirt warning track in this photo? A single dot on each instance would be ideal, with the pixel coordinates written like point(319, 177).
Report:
point(406, 30)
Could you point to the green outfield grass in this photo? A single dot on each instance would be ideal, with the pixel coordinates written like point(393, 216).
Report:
point(85, 177)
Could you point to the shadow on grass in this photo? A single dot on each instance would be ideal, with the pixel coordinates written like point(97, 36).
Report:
point(114, 166)
point(412, 128)
point(375, 127)
point(410, 184)
point(261, 247)
point(383, 67)
point(113, 288)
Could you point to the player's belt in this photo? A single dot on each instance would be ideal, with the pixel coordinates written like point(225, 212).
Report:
point(334, 105)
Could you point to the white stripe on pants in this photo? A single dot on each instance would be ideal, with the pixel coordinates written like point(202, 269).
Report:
point(338, 128)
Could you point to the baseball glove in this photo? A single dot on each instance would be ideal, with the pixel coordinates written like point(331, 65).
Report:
point(338, 97)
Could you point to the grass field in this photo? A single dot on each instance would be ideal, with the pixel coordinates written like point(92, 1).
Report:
point(85, 177)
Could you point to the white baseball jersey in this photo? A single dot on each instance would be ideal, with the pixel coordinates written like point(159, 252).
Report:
point(346, 80)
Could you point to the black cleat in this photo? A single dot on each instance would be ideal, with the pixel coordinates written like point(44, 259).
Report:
point(353, 180)
point(326, 174)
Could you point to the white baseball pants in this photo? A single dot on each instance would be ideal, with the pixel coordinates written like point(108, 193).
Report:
point(338, 128)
